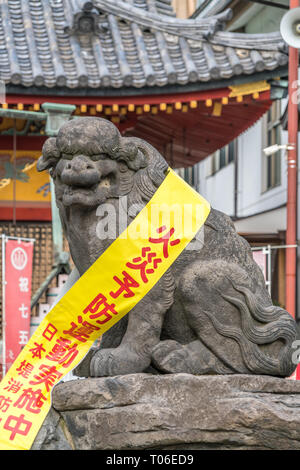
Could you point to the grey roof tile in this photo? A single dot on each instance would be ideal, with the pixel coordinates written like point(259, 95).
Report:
point(123, 43)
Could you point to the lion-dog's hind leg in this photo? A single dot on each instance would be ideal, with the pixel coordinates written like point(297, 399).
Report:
point(172, 357)
point(238, 328)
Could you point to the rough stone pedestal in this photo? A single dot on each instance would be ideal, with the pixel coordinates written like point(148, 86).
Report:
point(180, 411)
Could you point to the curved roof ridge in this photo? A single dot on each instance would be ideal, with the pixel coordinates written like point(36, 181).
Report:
point(261, 41)
point(195, 29)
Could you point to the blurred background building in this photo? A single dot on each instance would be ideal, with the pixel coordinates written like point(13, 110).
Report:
point(240, 179)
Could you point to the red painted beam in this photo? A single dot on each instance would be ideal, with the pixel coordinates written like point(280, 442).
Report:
point(26, 213)
point(23, 142)
point(125, 100)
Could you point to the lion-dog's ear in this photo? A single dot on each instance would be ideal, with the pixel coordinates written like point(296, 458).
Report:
point(50, 155)
point(148, 156)
point(132, 153)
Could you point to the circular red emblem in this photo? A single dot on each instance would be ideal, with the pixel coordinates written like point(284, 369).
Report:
point(18, 258)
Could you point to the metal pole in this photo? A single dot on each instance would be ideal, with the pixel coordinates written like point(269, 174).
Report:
point(270, 269)
point(267, 251)
point(272, 247)
point(3, 307)
point(38, 294)
point(57, 231)
point(20, 238)
point(291, 231)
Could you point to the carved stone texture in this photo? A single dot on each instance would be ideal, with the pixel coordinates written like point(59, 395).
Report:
point(210, 313)
point(180, 411)
point(52, 435)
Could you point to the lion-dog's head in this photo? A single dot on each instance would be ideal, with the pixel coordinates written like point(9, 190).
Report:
point(90, 162)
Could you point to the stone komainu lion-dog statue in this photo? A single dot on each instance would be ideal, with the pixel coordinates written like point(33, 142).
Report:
point(210, 313)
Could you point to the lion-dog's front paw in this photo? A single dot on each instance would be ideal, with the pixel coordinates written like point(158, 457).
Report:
point(118, 361)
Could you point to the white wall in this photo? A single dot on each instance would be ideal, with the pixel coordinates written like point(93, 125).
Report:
point(252, 197)
point(218, 189)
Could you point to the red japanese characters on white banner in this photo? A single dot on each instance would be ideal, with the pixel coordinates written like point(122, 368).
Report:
point(17, 295)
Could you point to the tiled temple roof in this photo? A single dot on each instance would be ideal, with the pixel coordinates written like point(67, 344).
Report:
point(104, 44)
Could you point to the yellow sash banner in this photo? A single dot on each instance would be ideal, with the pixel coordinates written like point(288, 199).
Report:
point(108, 290)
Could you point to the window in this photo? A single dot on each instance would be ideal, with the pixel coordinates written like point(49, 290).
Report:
point(272, 136)
point(188, 174)
point(222, 158)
